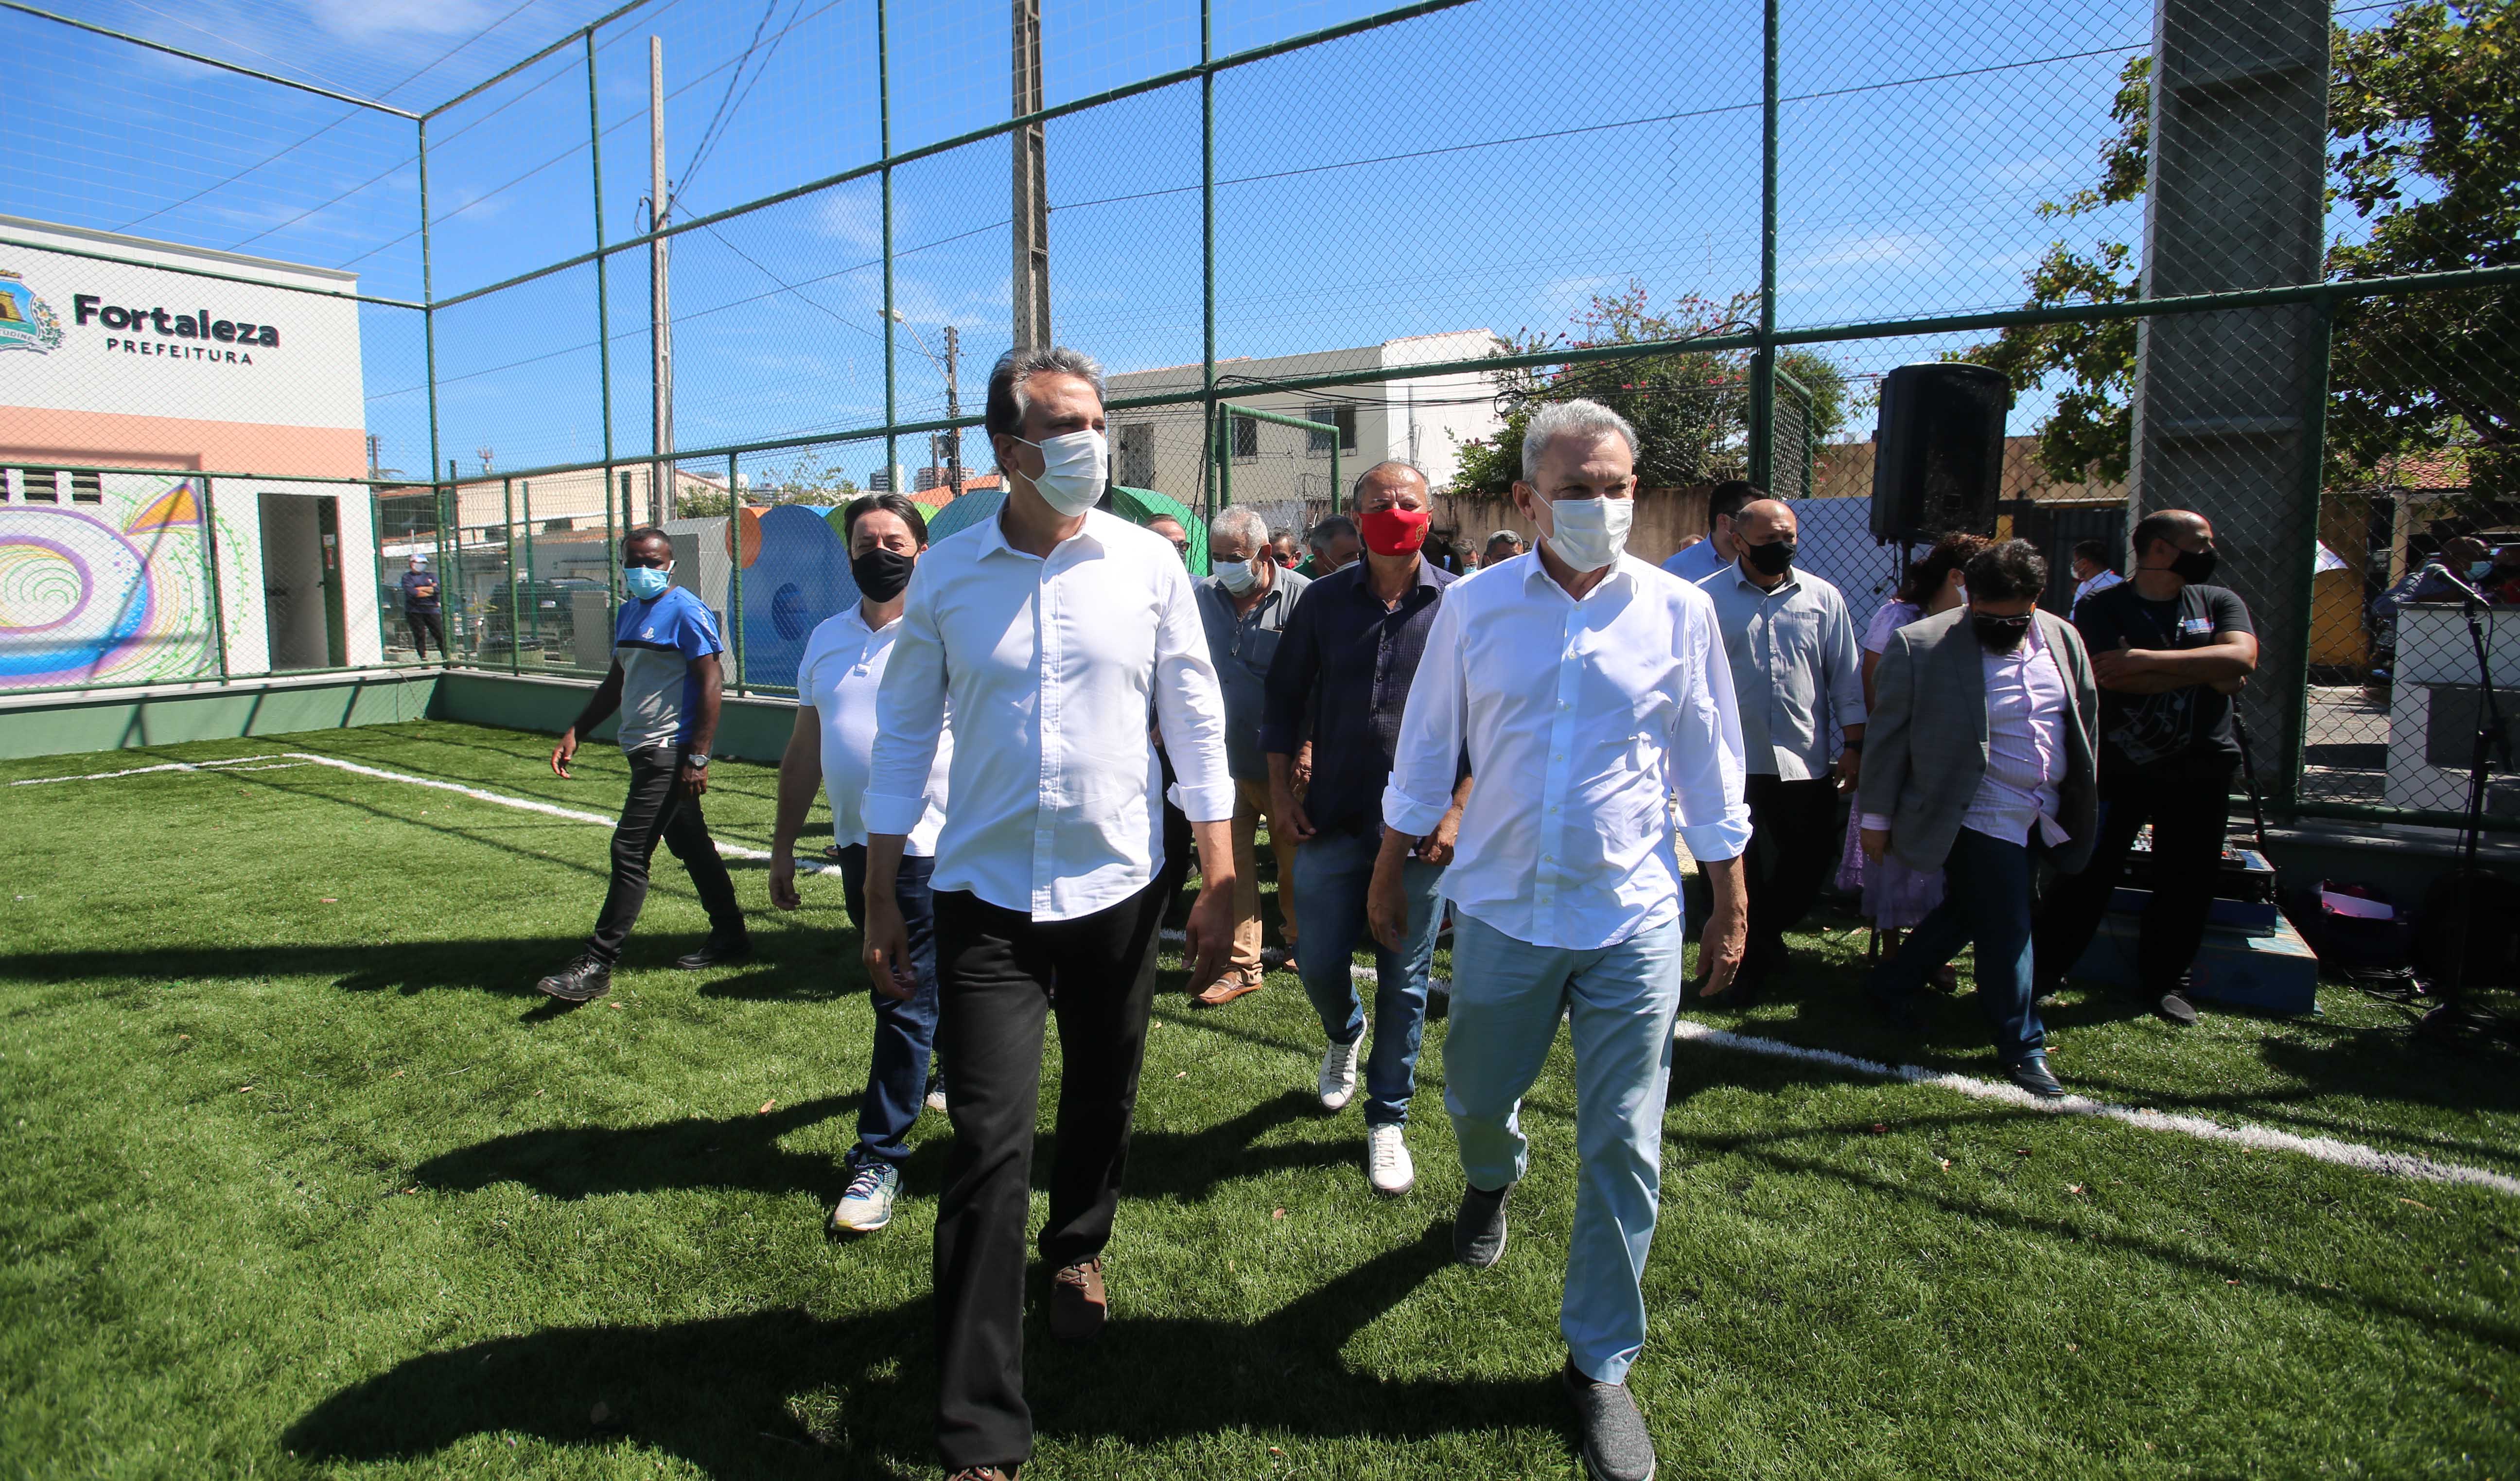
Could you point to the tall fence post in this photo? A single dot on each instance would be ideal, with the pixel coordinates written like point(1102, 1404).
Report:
point(734, 571)
point(2314, 478)
point(1763, 364)
point(884, 138)
point(210, 582)
point(516, 629)
point(428, 304)
point(533, 604)
point(602, 265)
point(1216, 430)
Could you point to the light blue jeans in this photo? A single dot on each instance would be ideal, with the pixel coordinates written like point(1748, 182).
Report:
point(1332, 872)
point(1620, 1000)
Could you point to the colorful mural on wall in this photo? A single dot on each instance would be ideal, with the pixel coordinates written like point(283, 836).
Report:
point(113, 591)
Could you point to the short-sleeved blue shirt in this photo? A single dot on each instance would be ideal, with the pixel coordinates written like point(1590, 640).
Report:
point(656, 642)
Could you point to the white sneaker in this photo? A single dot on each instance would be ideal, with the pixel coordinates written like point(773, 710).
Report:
point(867, 1205)
point(1338, 1074)
point(1386, 1161)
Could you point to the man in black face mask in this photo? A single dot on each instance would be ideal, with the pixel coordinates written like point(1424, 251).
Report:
point(1797, 677)
point(832, 745)
point(1981, 765)
point(2170, 652)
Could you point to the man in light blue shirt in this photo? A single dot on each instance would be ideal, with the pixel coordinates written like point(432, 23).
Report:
point(1721, 547)
point(1795, 669)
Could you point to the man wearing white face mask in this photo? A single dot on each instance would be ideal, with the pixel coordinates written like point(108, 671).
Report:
point(1586, 687)
point(1245, 605)
point(1053, 629)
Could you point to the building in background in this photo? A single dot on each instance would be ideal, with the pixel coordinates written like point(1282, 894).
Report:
point(161, 408)
point(1284, 471)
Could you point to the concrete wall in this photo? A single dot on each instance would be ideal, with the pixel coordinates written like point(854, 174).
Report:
point(55, 724)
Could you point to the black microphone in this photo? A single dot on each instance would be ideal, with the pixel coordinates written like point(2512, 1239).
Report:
point(2459, 583)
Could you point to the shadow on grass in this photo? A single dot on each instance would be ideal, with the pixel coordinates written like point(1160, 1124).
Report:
point(786, 1392)
point(506, 966)
point(744, 1152)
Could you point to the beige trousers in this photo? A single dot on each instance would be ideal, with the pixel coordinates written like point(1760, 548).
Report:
point(1250, 805)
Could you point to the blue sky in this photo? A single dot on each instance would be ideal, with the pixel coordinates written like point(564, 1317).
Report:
point(1488, 167)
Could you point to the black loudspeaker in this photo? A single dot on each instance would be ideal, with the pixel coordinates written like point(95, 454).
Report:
point(1938, 453)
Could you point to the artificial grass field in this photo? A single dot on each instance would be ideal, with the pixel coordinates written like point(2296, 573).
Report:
point(300, 1176)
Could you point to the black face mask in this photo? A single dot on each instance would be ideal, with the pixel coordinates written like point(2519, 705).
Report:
point(2000, 635)
point(2194, 567)
point(1771, 560)
point(880, 574)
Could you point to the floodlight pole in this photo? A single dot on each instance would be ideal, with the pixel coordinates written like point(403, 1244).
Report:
point(953, 409)
point(660, 325)
point(1032, 186)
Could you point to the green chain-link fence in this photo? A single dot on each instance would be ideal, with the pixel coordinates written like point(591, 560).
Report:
point(2256, 259)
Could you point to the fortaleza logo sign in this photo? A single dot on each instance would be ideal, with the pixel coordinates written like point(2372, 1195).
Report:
point(27, 321)
point(177, 324)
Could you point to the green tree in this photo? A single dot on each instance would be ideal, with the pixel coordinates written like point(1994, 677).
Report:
point(1692, 409)
point(806, 481)
point(2424, 122)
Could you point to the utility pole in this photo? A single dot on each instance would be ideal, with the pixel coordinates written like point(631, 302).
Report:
point(1032, 187)
point(953, 408)
point(661, 326)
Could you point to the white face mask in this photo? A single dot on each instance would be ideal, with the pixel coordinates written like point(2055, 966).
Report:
point(1589, 534)
point(1238, 576)
point(1073, 465)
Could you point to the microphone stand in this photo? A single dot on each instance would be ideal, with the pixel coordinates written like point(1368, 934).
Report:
point(2453, 1015)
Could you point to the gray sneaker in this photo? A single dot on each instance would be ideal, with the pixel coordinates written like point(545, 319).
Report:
point(1617, 1446)
point(867, 1204)
point(1479, 1229)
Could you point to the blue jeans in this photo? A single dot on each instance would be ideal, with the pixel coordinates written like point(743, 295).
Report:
point(905, 1033)
point(1621, 1000)
point(1986, 899)
point(1330, 875)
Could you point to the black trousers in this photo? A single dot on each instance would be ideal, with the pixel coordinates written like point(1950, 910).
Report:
point(2189, 807)
point(994, 970)
point(659, 807)
point(1794, 839)
point(1178, 851)
point(425, 626)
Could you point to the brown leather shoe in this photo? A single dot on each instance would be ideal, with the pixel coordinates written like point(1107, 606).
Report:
point(1224, 989)
point(985, 1474)
point(1078, 1306)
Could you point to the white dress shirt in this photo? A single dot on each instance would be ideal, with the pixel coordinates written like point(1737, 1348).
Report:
point(1050, 667)
point(2025, 747)
point(839, 676)
point(1581, 720)
point(1795, 665)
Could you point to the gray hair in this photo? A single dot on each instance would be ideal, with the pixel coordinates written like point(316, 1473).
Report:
point(1356, 490)
point(1239, 519)
point(1008, 401)
point(1586, 417)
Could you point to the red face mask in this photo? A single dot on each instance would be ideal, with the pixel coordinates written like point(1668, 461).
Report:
point(1395, 531)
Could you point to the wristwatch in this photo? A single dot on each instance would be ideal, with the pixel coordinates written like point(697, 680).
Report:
point(698, 760)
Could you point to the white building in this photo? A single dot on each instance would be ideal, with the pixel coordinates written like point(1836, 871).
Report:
point(1285, 472)
point(162, 411)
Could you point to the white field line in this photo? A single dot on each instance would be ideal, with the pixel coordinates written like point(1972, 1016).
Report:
point(478, 795)
point(142, 771)
point(2328, 1149)
point(2266, 1138)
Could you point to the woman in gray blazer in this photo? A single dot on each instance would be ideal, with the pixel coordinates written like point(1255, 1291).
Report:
point(1981, 764)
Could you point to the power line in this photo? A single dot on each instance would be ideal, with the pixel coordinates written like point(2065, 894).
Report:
point(711, 133)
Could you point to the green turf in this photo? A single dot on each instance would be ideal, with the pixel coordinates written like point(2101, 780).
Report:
point(300, 1177)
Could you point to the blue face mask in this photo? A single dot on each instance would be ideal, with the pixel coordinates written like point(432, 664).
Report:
point(2476, 569)
point(647, 581)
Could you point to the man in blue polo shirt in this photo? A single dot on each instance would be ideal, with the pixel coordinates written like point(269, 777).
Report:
point(664, 681)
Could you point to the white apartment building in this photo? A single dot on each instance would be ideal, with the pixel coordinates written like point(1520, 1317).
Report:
point(1285, 472)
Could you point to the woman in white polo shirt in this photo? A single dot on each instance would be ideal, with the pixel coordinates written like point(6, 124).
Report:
point(832, 745)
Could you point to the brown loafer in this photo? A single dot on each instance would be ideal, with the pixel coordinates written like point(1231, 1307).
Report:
point(1226, 989)
point(985, 1474)
point(1078, 1304)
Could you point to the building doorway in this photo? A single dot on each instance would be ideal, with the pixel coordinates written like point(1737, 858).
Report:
point(301, 581)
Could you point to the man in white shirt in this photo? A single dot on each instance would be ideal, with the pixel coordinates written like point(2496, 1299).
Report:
point(1982, 766)
point(1722, 544)
point(1051, 631)
point(833, 745)
point(2092, 570)
point(1796, 667)
point(1586, 689)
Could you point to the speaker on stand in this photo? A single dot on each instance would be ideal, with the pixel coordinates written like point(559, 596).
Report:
point(1938, 451)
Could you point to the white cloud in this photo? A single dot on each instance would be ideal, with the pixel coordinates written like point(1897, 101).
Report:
point(361, 20)
point(1879, 249)
point(2046, 169)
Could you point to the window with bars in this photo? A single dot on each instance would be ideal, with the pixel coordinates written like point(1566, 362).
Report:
point(1246, 439)
point(1137, 455)
point(1342, 416)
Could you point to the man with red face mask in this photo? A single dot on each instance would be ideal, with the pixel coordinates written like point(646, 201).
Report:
point(1340, 679)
